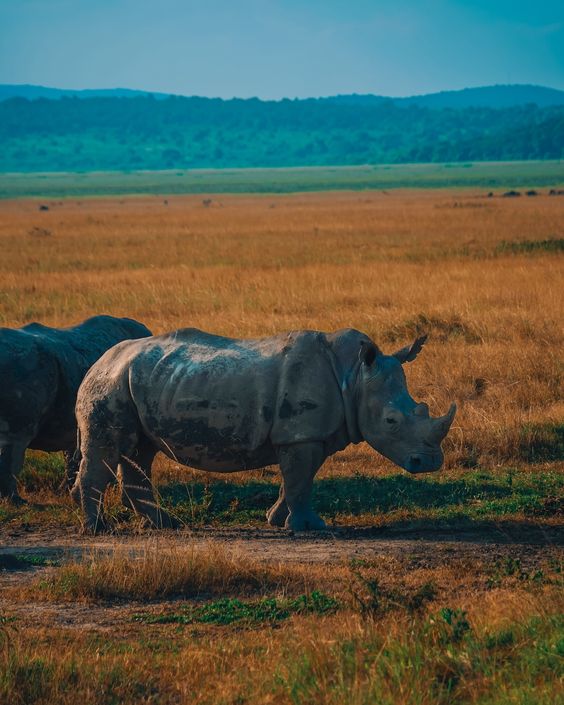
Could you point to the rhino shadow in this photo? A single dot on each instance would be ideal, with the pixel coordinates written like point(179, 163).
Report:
point(332, 496)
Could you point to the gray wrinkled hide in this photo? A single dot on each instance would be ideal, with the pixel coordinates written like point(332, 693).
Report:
point(41, 369)
point(224, 405)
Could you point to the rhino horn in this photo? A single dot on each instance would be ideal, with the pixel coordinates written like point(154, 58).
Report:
point(440, 426)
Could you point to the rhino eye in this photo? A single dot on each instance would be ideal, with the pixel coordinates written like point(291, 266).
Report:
point(391, 420)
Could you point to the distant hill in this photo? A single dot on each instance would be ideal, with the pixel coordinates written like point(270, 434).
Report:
point(489, 97)
point(138, 132)
point(496, 97)
point(485, 97)
point(34, 92)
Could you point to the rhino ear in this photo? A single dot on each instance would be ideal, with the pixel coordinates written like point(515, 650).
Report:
point(410, 352)
point(368, 352)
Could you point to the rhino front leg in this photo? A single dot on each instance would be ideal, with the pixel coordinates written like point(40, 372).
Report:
point(298, 464)
point(11, 462)
point(278, 513)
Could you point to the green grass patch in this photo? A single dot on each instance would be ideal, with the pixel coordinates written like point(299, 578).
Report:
point(42, 471)
point(232, 610)
point(530, 247)
point(474, 494)
point(14, 561)
point(485, 175)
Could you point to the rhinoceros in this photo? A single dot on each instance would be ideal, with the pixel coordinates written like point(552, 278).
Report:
point(224, 405)
point(41, 369)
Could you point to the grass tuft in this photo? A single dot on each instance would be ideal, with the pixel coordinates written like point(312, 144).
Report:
point(155, 572)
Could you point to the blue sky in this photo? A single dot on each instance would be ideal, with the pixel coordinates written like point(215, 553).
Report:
point(281, 48)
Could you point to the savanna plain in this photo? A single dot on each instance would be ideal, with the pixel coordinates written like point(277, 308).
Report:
point(436, 589)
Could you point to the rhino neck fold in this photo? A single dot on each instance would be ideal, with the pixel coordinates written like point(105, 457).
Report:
point(346, 380)
point(350, 405)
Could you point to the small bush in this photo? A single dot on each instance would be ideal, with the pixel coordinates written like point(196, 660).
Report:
point(370, 596)
point(441, 329)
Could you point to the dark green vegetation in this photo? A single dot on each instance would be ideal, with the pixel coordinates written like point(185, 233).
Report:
point(179, 133)
point(531, 246)
point(228, 610)
point(487, 175)
point(391, 499)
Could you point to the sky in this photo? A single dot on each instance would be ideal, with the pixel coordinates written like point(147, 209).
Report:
point(281, 48)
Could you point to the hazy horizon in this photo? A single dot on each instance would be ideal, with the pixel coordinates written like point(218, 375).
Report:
point(272, 49)
point(183, 95)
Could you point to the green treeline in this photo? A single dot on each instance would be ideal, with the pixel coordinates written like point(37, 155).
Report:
point(74, 134)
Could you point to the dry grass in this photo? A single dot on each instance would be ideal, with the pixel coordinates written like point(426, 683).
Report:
point(158, 570)
point(391, 265)
point(501, 646)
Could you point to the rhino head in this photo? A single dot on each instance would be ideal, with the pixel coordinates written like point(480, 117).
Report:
point(389, 419)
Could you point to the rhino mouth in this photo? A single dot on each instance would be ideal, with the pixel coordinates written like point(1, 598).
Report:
point(423, 462)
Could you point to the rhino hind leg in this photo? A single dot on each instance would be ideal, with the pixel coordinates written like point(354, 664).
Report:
point(11, 462)
point(137, 488)
point(97, 471)
point(278, 513)
point(299, 464)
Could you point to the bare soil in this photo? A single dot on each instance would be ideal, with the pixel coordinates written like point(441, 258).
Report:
point(532, 545)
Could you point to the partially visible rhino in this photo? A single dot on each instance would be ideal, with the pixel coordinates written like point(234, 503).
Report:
point(225, 405)
point(41, 369)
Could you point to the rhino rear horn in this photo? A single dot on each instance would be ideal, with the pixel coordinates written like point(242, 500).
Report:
point(410, 352)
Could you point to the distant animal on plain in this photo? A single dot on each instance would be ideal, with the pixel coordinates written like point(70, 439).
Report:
point(224, 405)
point(41, 369)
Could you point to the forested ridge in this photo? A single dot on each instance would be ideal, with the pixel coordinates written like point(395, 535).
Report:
point(118, 133)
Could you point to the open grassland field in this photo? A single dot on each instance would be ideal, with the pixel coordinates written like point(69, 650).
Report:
point(428, 590)
point(487, 175)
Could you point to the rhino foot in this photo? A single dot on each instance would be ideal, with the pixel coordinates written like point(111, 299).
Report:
point(305, 521)
point(15, 499)
point(93, 527)
point(162, 520)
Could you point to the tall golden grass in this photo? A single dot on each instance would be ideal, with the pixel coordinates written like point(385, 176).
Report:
point(391, 264)
point(165, 569)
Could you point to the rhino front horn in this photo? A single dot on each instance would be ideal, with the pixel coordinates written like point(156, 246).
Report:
point(443, 423)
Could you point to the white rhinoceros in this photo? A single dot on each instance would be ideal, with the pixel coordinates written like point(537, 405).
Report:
point(224, 405)
point(41, 369)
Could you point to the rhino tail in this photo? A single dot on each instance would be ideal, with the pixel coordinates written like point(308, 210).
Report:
point(73, 467)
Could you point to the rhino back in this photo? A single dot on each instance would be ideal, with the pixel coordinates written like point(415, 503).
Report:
point(195, 389)
point(28, 384)
point(74, 350)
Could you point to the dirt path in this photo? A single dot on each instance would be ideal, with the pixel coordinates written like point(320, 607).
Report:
point(529, 542)
point(532, 545)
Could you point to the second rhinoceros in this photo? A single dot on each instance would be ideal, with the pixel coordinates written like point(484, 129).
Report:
point(224, 405)
point(41, 369)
